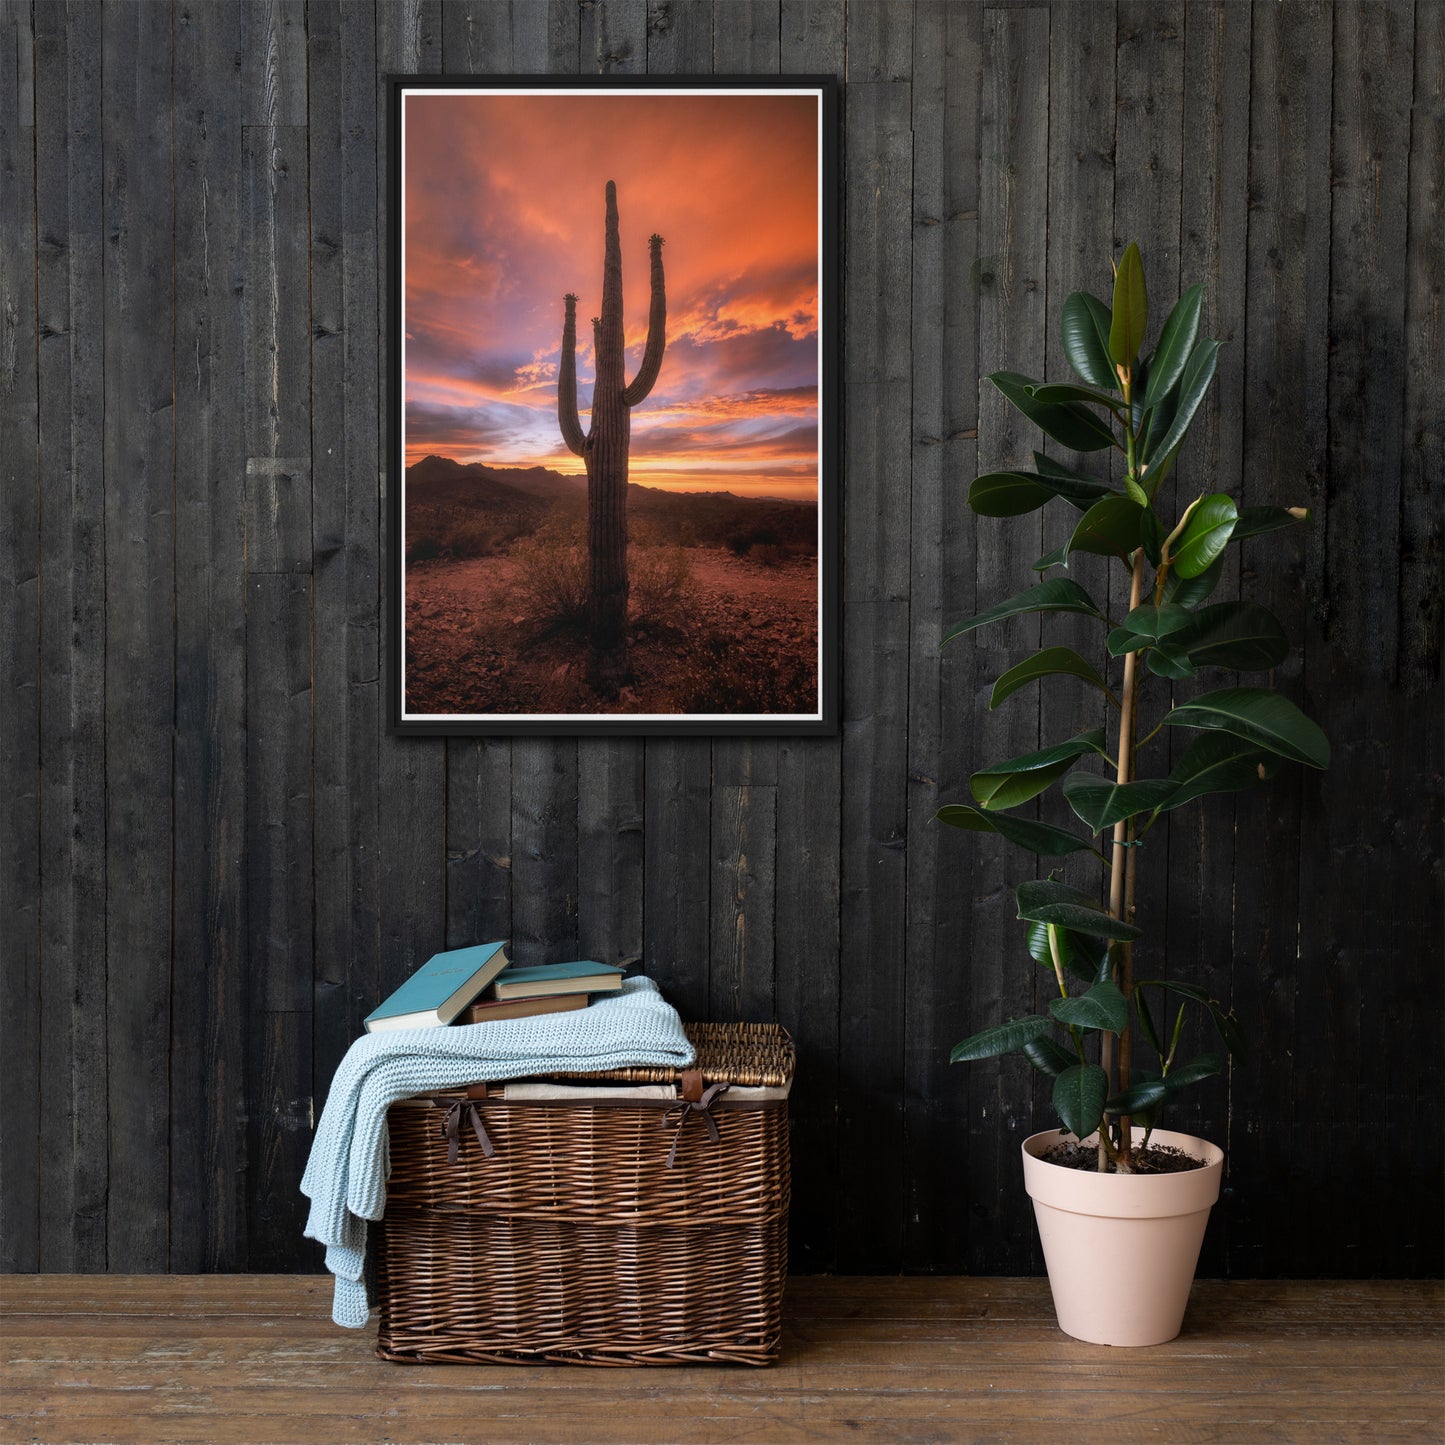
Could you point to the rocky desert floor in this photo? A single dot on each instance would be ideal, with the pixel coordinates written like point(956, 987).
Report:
point(739, 636)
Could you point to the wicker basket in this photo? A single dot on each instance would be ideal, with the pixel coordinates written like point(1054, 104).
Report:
point(627, 1232)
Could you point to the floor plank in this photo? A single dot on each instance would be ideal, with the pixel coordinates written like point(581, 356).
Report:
point(171, 1360)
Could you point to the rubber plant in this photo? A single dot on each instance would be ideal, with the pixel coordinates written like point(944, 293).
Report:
point(1142, 406)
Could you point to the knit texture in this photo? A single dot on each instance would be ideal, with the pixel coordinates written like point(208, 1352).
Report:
point(346, 1175)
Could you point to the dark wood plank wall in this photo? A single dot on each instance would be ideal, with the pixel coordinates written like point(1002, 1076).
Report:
point(212, 858)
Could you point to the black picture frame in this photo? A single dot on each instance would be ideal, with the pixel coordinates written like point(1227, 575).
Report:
point(823, 723)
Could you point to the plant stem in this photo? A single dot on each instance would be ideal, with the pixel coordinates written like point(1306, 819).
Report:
point(1053, 933)
point(1121, 870)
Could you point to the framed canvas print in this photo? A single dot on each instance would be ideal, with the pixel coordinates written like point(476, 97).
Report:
point(613, 487)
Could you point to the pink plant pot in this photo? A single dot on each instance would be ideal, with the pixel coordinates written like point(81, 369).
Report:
point(1121, 1249)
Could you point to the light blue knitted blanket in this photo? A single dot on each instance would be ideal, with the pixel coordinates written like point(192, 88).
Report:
point(346, 1174)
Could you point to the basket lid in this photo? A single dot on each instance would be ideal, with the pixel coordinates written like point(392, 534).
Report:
point(749, 1055)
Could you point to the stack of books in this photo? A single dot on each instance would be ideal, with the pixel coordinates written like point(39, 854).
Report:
point(478, 985)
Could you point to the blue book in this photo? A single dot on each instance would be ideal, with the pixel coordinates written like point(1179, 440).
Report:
point(440, 989)
point(549, 978)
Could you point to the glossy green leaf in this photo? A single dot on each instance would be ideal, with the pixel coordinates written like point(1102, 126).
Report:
point(1215, 763)
point(1258, 716)
point(1051, 662)
point(1138, 1097)
point(1059, 557)
point(1041, 838)
point(1154, 472)
point(1083, 956)
point(1151, 534)
point(1152, 623)
point(1007, 494)
point(1225, 1022)
point(1206, 535)
point(1070, 959)
point(1110, 528)
point(1047, 466)
point(1072, 426)
point(1168, 659)
point(1001, 1039)
point(1012, 494)
point(1041, 900)
point(1140, 385)
point(1161, 418)
point(1085, 333)
point(1100, 804)
point(1135, 492)
point(1240, 635)
point(1079, 1094)
point(1206, 1066)
point(1198, 373)
point(1130, 316)
point(1191, 591)
point(1103, 1007)
point(1048, 1057)
point(1146, 1021)
point(1007, 784)
point(1068, 391)
point(1057, 595)
point(1176, 341)
point(1255, 521)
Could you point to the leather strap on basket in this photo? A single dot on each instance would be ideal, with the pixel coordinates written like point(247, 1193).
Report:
point(680, 1113)
point(453, 1129)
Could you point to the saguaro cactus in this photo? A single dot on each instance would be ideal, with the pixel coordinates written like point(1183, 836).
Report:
point(605, 447)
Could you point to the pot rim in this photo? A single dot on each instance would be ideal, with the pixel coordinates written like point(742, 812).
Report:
point(1138, 1196)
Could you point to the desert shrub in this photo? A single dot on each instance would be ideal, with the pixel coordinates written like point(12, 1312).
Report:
point(659, 580)
point(769, 555)
point(455, 533)
point(473, 539)
point(552, 572)
point(720, 677)
point(741, 543)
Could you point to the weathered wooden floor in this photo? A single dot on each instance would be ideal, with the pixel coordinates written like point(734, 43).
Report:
point(159, 1360)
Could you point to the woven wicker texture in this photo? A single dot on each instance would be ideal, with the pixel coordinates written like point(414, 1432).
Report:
point(576, 1242)
point(756, 1055)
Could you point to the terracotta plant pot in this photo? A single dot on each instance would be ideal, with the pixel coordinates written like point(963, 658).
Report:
point(1121, 1248)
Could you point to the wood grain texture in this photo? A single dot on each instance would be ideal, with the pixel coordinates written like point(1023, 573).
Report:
point(947, 72)
point(20, 738)
point(1422, 528)
point(807, 924)
point(1213, 226)
point(208, 1214)
point(215, 861)
point(279, 923)
point(877, 388)
point(246, 1358)
point(346, 249)
point(70, 374)
point(411, 780)
point(1012, 329)
point(139, 468)
point(1385, 866)
point(1285, 431)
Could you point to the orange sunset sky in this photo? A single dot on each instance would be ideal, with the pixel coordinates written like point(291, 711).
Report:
point(504, 211)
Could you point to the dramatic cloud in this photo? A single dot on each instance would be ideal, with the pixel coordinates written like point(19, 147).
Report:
point(504, 213)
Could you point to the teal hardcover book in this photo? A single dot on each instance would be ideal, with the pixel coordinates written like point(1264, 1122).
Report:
point(440, 989)
point(585, 976)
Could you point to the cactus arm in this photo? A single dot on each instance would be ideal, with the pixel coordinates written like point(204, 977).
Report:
point(656, 331)
point(567, 383)
point(596, 353)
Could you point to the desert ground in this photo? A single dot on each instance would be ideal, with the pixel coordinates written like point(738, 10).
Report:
point(723, 615)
